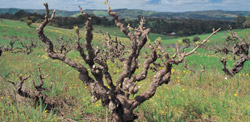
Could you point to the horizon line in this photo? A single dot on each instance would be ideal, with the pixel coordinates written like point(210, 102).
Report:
point(136, 9)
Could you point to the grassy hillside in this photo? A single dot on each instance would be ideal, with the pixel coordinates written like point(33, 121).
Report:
point(14, 28)
point(207, 96)
point(219, 38)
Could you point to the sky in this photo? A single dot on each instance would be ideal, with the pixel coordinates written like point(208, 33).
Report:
point(156, 5)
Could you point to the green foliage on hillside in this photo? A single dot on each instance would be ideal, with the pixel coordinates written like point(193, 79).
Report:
point(208, 96)
point(134, 13)
point(62, 13)
point(175, 26)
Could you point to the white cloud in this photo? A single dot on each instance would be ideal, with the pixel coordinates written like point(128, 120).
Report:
point(163, 5)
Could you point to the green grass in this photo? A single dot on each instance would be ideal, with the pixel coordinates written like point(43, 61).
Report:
point(218, 38)
point(116, 32)
point(206, 96)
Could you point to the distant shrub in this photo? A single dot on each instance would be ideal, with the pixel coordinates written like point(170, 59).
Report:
point(38, 21)
point(28, 22)
point(23, 19)
point(196, 38)
point(246, 23)
point(186, 42)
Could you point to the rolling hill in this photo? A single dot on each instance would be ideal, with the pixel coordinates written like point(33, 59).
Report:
point(203, 96)
point(134, 13)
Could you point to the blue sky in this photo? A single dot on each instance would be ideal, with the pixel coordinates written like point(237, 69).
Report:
point(156, 5)
point(215, 1)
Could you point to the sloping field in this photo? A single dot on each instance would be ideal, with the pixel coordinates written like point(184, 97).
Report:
point(201, 96)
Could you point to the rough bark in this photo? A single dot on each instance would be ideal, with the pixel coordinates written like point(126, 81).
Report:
point(187, 67)
point(240, 51)
point(26, 48)
point(36, 95)
point(115, 93)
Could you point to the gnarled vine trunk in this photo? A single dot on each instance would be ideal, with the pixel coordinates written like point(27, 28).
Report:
point(115, 93)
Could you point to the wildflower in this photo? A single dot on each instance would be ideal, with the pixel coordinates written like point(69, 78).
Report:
point(161, 112)
point(178, 81)
point(235, 94)
point(225, 78)
point(1, 98)
point(45, 111)
point(183, 89)
point(155, 103)
point(172, 70)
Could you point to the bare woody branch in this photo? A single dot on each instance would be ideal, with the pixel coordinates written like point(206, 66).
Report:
point(65, 46)
point(123, 28)
point(97, 88)
point(164, 75)
point(203, 42)
point(138, 40)
point(187, 67)
point(50, 47)
point(19, 86)
point(239, 49)
point(41, 77)
point(116, 96)
point(148, 61)
point(89, 37)
point(36, 95)
point(28, 48)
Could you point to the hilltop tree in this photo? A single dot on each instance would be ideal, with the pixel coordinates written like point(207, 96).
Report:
point(28, 22)
point(246, 23)
point(20, 13)
point(120, 96)
point(240, 20)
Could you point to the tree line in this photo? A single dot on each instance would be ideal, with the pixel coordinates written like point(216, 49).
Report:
point(172, 26)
